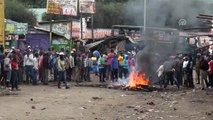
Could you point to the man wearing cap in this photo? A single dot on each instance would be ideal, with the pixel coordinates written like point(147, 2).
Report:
point(62, 70)
point(28, 64)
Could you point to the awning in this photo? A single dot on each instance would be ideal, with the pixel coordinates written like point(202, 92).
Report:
point(91, 45)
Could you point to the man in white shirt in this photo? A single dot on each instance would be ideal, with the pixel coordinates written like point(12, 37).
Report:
point(185, 62)
point(28, 64)
point(88, 65)
point(35, 69)
point(72, 65)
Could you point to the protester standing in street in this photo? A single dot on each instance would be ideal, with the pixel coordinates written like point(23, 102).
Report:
point(125, 66)
point(197, 68)
point(21, 67)
point(62, 70)
point(131, 63)
point(7, 68)
point(101, 64)
point(169, 72)
point(55, 66)
point(35, 69)
point(72, 65)
point(120, 68)
point(204, 66)
point(78, 68)
point(88, 66)
point(41, 57)
point(14, 79)
point(114, 68)
point(179, 70)
point(190, 73)
point(211, 73)
point(46, 67)
point(110, 56)
point(28, 64)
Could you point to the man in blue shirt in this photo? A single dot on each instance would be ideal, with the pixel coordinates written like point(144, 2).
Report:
point(114, 68)
point(101, 64)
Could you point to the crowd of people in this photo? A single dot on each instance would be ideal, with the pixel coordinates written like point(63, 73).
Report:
point(179, 70)
point(36, 67)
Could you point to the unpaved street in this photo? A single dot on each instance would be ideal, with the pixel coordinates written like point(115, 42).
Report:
point(84, 103)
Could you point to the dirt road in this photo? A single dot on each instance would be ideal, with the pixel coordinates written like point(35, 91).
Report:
point(83, 103)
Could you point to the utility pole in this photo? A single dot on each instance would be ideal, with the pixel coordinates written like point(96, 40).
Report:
point(51, 25)
point(92, 22)
point(81, 25)
point(71, 42)
point(2, 22)
point(144, 24)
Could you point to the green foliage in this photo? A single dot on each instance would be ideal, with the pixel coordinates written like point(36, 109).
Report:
point(49, 17)
point(34, 3)
point(108, 14)
point(16, 11)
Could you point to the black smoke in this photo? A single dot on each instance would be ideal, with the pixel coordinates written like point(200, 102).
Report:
point(167, 13)
point(162, 14)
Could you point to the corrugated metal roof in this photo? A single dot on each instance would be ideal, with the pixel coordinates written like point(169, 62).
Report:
point(10, 21)
point(91, 45)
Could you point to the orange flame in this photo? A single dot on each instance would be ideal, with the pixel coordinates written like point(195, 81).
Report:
point(137, 80)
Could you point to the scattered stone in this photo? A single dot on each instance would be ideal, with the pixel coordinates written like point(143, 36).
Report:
point(109, 105)
point(160, 118)
point(123, 95)
point(31, 99)
point(96, 98)
point(130, 106)
point(142, 117)
point(139, 118)
point(150, 110)
point(203, 118)
point(208, 113)
point(33, 107)
point(174, 102)
point(151, 103)
point(70, 118)
point(139, 111)
point(127, 116)
point(1, 118)
point(173, 116)
point(83, 108)
point(174, 109)
point(27, 113)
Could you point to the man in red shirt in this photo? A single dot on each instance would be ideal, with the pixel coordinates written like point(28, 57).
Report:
point(110, 56)
point(211, 73)
point(14, 79)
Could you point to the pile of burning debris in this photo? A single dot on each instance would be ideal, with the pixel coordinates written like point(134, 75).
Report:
point(137, 81)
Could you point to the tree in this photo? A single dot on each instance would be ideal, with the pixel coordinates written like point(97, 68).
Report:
point(108, 13)
point(49, 17)
point(16, 11)
point(34, 3)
